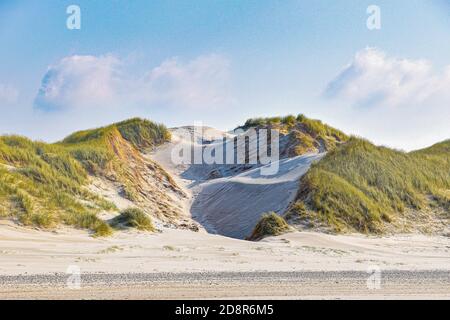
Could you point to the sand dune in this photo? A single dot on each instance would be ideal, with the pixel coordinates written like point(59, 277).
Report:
point(232, 205)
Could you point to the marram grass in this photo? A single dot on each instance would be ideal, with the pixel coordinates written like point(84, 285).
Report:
point(270, 224)
point(133, 218)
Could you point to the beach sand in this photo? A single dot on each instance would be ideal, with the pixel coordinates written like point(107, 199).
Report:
point(180, 264)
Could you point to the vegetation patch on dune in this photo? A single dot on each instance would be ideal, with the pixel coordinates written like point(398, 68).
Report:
point(141, 133)
point(133, 218)
point(270, 224)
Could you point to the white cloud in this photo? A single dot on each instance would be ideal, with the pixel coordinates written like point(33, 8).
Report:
point(203, 82)
point(375, 79)
point(397, 102)
point(76, 81)
point(105, 81)
point(8, 94)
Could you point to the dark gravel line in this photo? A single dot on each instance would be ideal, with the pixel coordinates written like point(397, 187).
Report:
point(440, 276)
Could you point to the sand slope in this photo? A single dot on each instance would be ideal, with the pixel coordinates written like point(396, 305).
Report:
point(232, 206)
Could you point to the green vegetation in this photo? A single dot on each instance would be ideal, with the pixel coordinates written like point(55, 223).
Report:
point(133, 218)
point(41, 185)
point(270, 224)
point(359, 186)
point(45, 184)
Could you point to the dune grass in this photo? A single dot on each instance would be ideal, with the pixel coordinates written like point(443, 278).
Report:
point(42, 185)
point(133, 218)
point(270, 224)
point(140, 133)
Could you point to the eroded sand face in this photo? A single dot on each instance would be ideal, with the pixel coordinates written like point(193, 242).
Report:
point(233, 203)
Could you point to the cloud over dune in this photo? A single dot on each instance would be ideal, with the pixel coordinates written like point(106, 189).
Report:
point(80, 81)
point(106, 81)
point(394, 101)
point(373, 78)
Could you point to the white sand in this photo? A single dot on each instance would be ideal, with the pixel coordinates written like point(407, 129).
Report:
point(28, 251)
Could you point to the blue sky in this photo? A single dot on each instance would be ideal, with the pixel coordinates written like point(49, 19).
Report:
point(221, 62)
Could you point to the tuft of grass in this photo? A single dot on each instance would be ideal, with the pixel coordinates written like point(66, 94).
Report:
point(297, 211)
point(134, 218)
point(24, 201)
point(102, 229)
point(270, 224)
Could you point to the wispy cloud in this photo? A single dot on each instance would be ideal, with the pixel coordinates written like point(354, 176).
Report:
point(373, 78)
point(80, 81)
point(202, 82)
point(106, 81)
point(398, 102)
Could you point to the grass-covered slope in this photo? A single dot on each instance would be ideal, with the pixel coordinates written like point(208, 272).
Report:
point(114, 152)
point(46, 184)
point(42, 185)
point(361, 187)
point(140, 133)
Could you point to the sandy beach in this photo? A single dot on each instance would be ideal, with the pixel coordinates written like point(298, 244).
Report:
point(178, 264)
